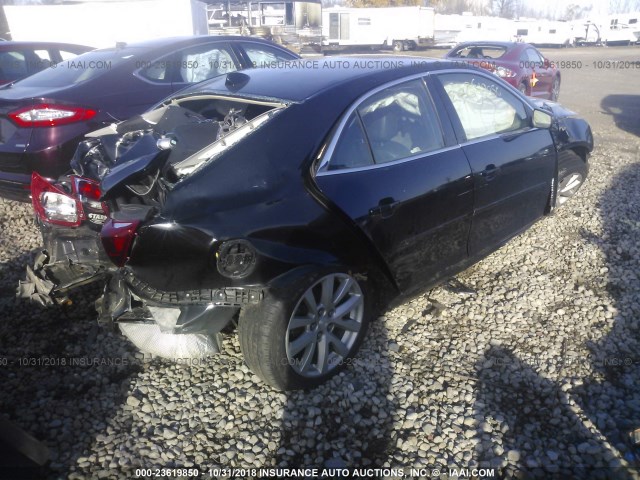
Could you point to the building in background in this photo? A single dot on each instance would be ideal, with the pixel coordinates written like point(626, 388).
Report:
point(293, 23)
point(103, 23)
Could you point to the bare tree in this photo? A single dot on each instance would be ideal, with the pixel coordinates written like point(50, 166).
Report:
point(382, 3)
point(623, 6)
point(574, 12)
point(477, 7)
point(503, 8)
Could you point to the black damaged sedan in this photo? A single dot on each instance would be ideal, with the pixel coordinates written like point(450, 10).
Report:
point(294, 201)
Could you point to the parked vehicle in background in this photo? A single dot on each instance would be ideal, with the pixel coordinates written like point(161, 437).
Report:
point(520, 64)
point(43, 117)
point(400, 28)
point(292, 201)
point(21, 59)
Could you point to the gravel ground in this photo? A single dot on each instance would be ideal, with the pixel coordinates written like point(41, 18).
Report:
point(532, 370)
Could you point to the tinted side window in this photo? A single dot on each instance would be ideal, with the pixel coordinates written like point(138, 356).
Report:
point(158, 71)
point(196, 64)
point(13, 65)
point(352, 149)
point(66, 55)
point(400, 121)
point(533, 56)
point(261, 55)
point(43, 59)
point(483, 106)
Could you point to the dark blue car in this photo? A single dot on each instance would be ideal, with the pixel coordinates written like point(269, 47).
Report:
point(296, 200)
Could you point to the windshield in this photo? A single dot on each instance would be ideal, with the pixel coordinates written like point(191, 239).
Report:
point(81, 68)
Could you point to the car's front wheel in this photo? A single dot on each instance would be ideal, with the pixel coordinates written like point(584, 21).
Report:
point(302, 336)
point(555, 89)
point(572, 172)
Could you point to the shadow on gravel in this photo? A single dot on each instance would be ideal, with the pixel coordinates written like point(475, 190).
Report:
point(625, 110)
point(63, 380)
point(533, 407)
point(351, 416)
point(612, 399)
point(594, 414)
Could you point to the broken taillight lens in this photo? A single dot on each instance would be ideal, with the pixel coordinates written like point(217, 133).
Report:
point(54, 205)
point(117, 238)
point(59, 207)
point(89, 193)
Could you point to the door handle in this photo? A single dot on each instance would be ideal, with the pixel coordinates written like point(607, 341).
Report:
point(386, 207)
point(490, 172)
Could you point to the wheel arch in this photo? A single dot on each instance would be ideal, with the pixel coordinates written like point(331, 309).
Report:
point(582, 151)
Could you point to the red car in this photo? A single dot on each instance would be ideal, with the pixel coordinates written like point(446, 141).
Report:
point(520, 64)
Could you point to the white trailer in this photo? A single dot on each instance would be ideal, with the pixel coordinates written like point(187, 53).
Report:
point(544, 33)
point(400, 28)
point(618, 29)
point(453, 29)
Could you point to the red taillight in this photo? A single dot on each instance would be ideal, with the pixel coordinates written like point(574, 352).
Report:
point(117, 238)
point(54, 205)
point(50, 115)
point(88, 188)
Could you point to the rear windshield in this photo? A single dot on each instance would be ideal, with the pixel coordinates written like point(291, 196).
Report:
point(480, 51)
point(81, 68)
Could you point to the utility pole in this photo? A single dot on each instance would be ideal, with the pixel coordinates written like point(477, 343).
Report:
point(5, 31)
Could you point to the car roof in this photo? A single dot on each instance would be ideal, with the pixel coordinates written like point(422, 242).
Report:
point(12, 43)
point(186, 40)
point(169, 44)
point(488, 43)
point(298, 80)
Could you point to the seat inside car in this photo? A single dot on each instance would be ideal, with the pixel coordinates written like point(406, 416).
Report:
point(382, 125)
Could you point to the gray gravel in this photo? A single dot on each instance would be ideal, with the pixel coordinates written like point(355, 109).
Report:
point(535, 372)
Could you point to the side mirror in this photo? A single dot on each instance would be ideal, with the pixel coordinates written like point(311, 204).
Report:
point(541, 119)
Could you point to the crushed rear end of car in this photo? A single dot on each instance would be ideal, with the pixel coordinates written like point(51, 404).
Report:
point(93, 219)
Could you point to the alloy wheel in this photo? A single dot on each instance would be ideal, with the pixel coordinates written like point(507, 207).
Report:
point(569, 186)
point(325, 325)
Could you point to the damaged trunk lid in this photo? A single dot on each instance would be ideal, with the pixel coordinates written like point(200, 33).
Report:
point(130, 169)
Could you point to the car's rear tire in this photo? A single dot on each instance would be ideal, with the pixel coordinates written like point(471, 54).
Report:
point(301, 336)
point(572, 172)
point(555, 89)
point(398, 46)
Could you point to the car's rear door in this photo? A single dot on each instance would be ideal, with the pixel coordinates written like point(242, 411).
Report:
point(197, 63)
point(260, 55)
point(513, 163)
point(402, 179)
point(543, 74)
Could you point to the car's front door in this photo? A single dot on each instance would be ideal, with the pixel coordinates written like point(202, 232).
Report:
point(513, 163)
point(403, 182)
